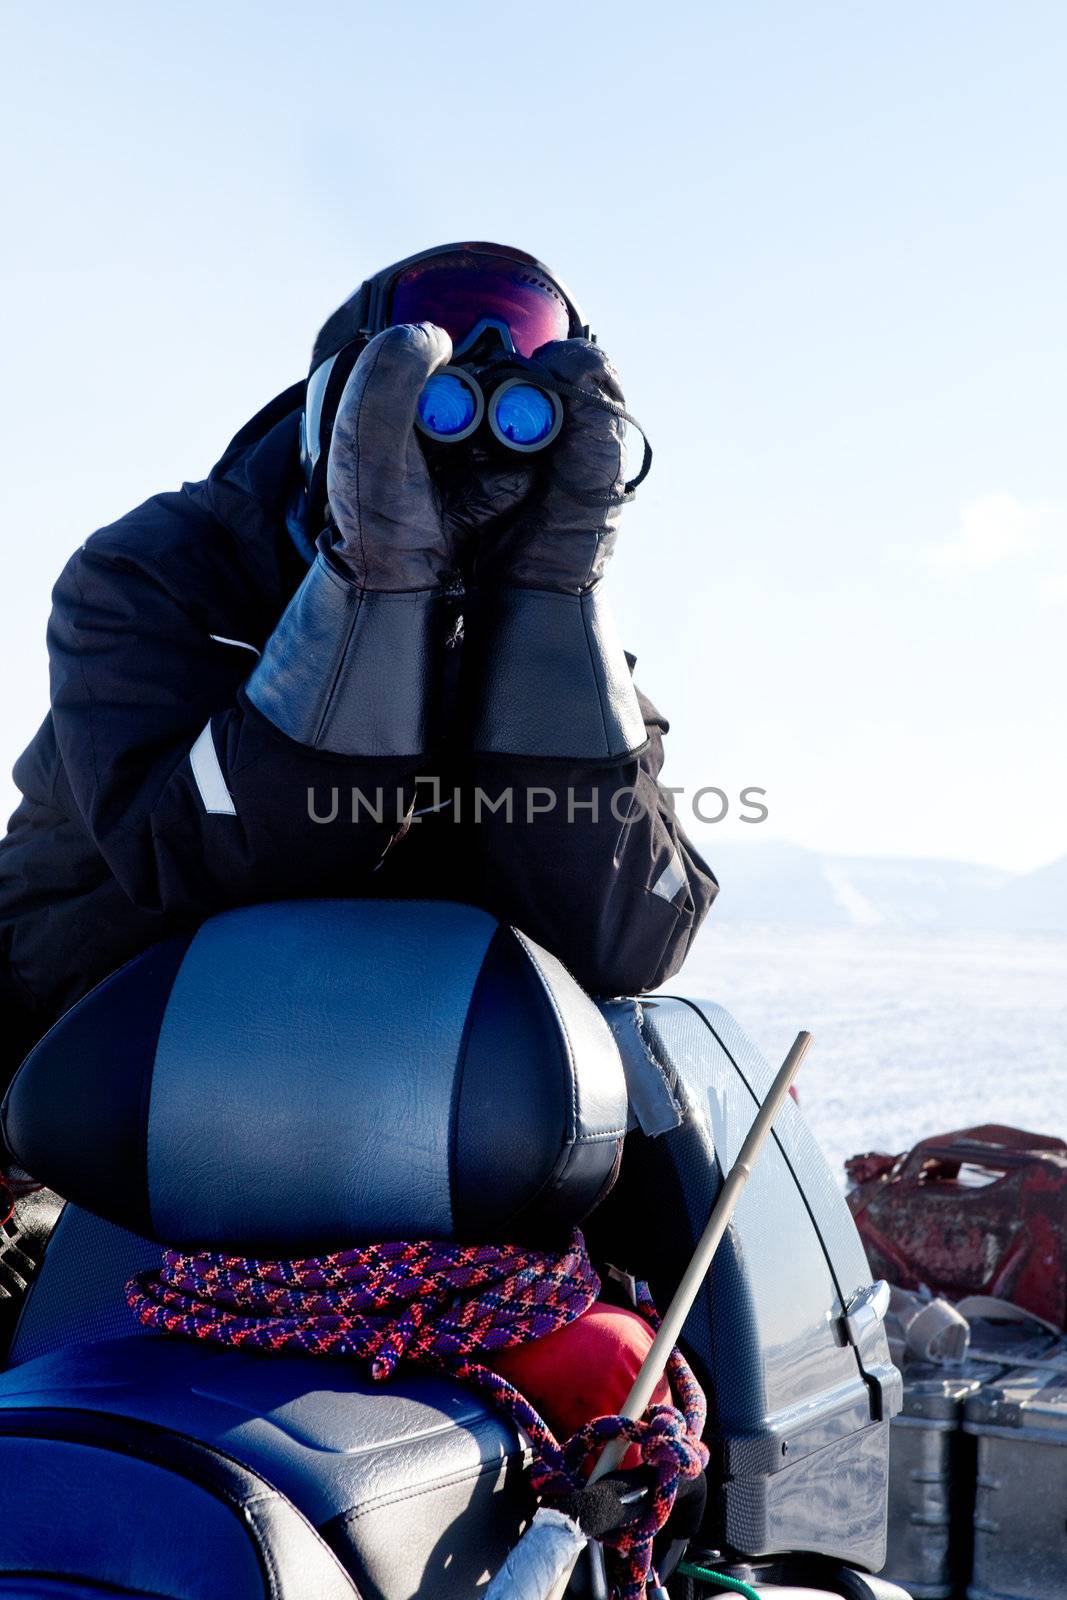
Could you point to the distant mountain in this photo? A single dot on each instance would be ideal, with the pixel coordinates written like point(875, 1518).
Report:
point(1035, 901)
point(787, 883)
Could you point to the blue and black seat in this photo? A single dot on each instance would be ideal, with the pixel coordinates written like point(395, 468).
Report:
point(295, 1078)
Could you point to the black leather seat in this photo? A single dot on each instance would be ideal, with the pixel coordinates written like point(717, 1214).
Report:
point(288, 1080)
point(301, 1076)
point(92, 1496)
point(36, 1588)
point(415, 1486)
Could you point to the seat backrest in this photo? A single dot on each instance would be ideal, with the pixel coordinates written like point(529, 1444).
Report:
point(298, 1077)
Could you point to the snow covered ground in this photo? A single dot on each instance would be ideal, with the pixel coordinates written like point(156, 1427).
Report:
point(916, 1032)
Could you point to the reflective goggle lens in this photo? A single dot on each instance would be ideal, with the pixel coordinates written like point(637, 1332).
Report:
point(523, 414)
point(458, 291)
point(447, 405)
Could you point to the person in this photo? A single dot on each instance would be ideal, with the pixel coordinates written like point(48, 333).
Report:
point(354, 663)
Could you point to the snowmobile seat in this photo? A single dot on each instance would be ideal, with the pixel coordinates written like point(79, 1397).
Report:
point(414, 1487)
point(301, 1076)
point(288, 1080)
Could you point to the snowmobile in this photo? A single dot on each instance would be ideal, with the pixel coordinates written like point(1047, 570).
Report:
point(296, 1076)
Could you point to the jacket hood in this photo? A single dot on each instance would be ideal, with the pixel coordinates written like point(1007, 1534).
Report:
point(258, 475)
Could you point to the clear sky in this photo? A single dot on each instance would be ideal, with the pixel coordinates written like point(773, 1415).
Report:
point(826, 244)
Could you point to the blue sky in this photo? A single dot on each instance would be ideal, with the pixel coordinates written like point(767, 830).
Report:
point(825, 244)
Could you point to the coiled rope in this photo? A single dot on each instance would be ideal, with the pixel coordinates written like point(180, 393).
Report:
point(445, 1308)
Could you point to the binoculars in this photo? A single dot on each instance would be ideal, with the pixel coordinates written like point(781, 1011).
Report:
point(520, 415)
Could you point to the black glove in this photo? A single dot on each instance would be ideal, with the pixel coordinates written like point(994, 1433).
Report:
point(481, 490)
point(552, 678)
point(352, 666)
point(391, 528)
point(563, 535)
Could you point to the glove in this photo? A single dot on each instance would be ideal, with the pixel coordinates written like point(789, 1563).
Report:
point(391, 529)
point(401, 525)
point(481, 491)
point(552, 677)
point(565, 533)
point(352, 667)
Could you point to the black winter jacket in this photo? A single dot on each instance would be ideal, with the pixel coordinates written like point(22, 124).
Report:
point(155, 793)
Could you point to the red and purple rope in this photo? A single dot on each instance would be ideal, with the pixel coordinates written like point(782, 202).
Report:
point(446, 1308)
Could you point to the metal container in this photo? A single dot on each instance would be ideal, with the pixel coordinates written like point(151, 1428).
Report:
point(1019, 1423)
point(931, 1479)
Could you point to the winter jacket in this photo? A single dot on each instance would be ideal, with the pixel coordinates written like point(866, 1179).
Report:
point(157, 791)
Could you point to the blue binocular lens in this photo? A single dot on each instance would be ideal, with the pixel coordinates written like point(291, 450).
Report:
point(520, 414)
point(449, 406)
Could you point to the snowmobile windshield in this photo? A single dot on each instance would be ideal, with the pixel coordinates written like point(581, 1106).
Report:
point(461, 290)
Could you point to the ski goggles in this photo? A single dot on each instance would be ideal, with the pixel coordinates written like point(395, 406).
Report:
point(461, 288)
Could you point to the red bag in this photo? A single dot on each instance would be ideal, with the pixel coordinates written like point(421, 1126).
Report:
point(981, 1211)
point(583, 1370)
